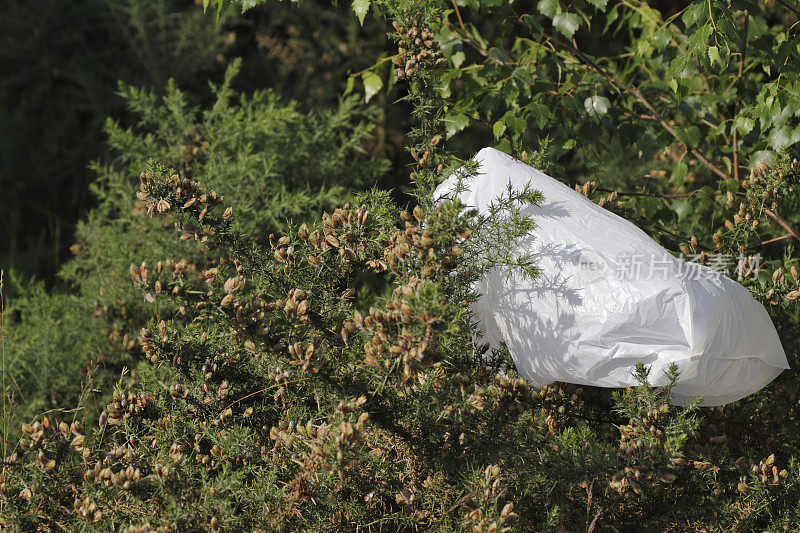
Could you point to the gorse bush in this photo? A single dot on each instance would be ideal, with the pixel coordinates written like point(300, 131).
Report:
point(283, 164)
point(311, 363)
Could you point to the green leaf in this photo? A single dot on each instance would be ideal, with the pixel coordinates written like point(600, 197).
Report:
point(678, 172)
point(372, 84)
point(781, 138)
point(744, 124)
point(501, 54)
point(713, 55)
point(596, 106)
point(250, 4)
point(682, 208)
point(673, 85)
point(599, 4)
point(567, 24)
point(706, 192)
point(351, 83)
point(458, 58)
point(689, 136)
point(694, 13)
point(455, 123)
point(549, 8)
point(361, 7)
point(524, 76)
point(498, 129)
point(731, 185)
point(676, 66)
point(661, 39)
point(517, 126)
point(650, 205)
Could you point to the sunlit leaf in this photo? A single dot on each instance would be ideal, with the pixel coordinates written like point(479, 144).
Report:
point(567, 24)
point(597, 105)
point(372, 84)
point(548, 8)
point(361, 7)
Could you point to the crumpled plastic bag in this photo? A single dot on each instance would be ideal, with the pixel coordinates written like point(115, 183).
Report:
point(609, 296)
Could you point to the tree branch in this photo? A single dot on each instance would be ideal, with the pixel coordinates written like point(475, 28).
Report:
point(790, 8)
point(458, 14)
point(736, 106)
point(776, 239)
point(634, 91)
point(782, 223)
point(650, 194)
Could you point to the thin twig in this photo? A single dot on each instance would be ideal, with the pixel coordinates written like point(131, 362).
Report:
point(790, 7)
point(723, 120)
point(3, 351)
point(736, 106)
point(776, 239)
point(709, 123)
point(458, 15)
point(782, 223)
point(468, 496)
point(666, 125)
point(702, 75)
point(650, 194)
point(260, 391)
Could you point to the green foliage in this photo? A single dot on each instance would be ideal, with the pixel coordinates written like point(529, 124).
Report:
point(280, 163)
point(328, 376)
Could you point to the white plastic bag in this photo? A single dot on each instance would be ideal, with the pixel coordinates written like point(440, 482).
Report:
point(609, 296)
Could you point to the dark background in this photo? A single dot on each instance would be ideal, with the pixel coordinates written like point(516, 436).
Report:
point(61, 63)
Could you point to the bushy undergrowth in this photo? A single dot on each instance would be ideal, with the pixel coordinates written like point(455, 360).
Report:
point(279, 163)
point(283, 393)
point(326, 374)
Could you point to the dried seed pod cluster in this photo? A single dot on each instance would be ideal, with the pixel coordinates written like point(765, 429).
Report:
point(486, 515)
point(785, 287)
point(643, 444)
point(162, 191)
point(766, 471)
point(556, 406)
point(317, 448)
point(147, 528)
point(126, 404)
point(400, 335)
point(338, 243)
point(193, 147)
point(295, 305)
point(767, 189)
point(151, 345)
point(415, 47)
point(86, 508)
point(429, 244)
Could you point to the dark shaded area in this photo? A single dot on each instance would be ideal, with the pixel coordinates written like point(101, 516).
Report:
point(61, 62)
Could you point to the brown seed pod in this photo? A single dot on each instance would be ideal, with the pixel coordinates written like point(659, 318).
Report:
point(331, 239)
